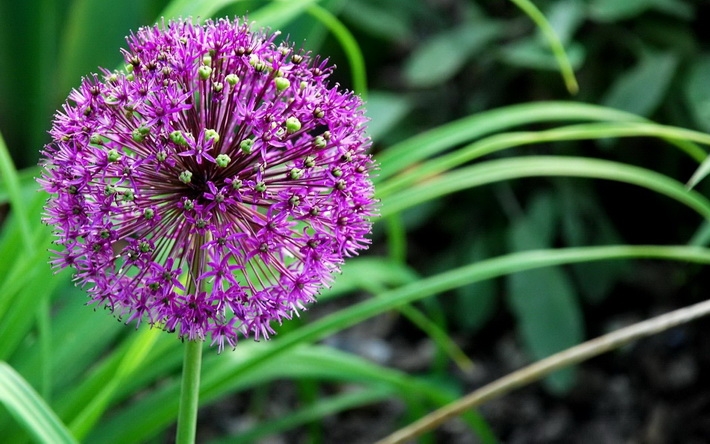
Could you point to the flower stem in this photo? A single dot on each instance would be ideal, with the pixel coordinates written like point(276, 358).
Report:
point(189, 393)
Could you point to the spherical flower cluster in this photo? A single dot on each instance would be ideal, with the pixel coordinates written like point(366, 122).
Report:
point(212, 187)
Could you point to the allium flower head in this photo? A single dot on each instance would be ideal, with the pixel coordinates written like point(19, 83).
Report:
point(211, 188)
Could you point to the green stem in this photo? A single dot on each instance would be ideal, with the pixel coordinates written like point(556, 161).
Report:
point(189, 393)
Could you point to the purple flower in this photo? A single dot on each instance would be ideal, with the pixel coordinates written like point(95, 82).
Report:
point(211, 188)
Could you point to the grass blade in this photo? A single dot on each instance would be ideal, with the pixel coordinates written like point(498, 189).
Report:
point(505, 169)
point(30, 410)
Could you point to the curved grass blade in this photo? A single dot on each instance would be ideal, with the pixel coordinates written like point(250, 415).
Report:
point(403, 155)
point(12, 184)
point(499, 142)
point(505, 169)
point(30, 410)
point(555, 44)
point(349, 45)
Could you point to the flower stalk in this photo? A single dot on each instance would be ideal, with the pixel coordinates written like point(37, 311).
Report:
point(189, 393)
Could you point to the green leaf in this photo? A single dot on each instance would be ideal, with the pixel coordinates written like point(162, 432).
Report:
point(29, 409)
point(613, 10)
point(566, 17)
point(531, 54)
point(641, 89)
point(377, 20)
point(585, 222)
point(696, 91)
point(385, 110)
point(544, 301)
point(439, 59)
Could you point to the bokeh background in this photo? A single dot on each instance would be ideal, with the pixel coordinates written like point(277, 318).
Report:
point(429, 63)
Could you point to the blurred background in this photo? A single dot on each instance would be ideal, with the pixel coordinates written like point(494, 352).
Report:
point(430, 62)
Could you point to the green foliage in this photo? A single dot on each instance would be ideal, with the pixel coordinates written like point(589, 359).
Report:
point(494, 187)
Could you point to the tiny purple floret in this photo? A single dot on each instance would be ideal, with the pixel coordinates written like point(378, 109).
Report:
point(214, 186)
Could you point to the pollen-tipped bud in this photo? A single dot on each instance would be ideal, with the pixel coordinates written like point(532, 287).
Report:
point(281, 83)
point(185, 177)
point(204, 72)
point(222, 160)
point(246, 145)
point(292, 125)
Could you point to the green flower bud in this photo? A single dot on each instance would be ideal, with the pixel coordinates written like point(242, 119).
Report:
point(185, 177)
point(309, 162)
point(217, 87)
point(245, 145)
point(211, 134)
point(292, 125)
point(177, 138)
point(96, 139)
point(236, 184)
point(260, 187)
point(144, 247)
point(296, 173)
point(148, 213)
point(222, 160)
point(281, 83)
point(189, 205)
point(128, 195)
point(232, 79)
point(113, 156)
point(138, 136)
point(204, 72)
point(160, 156)
point(319, 142)
point(337, 172)
point(206, 59)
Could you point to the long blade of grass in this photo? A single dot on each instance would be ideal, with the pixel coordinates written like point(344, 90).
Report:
point(499, 142)
point(12, 183)
point(349, 45)
point(505, 169)
point(29, 409)
point(558, 50)
point(403, 155)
